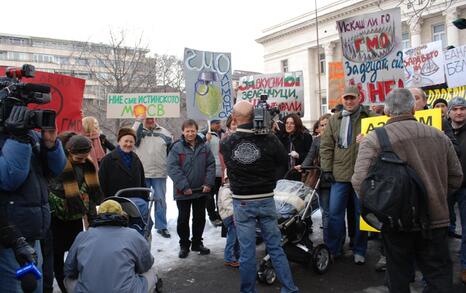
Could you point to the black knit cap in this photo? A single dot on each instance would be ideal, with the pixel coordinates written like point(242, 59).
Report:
point(126, 131)
point(79, 144)
point(443, 101)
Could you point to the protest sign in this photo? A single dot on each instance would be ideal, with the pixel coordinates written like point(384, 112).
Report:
point(209, 92)
point(443, 92)
point(372, 53)
point(66, 98)
point(455, 66)
point(284, 90)
point(431, 117)
point(424, 65)
point(166, 105)
point(336, 83)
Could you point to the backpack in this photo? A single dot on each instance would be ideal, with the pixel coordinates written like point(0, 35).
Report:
point(395, 198)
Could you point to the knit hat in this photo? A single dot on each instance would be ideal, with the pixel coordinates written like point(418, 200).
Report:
point(79, 144)
point(126, 131)
point(110, 207)
point(443, 101)
point(455, 102)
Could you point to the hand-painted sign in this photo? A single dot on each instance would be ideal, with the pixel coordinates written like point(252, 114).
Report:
point(443, 92)
point(424, 65)
point(372, 53)
point(284, 90)
point(166, 105)
point(455, 66)
point(336, 83)
point(209, 92)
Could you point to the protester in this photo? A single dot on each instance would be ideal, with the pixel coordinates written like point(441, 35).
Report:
point(297, 143)
point(92, 131)
point(110, 257)
point(338, 152)
point(26, 158)
point(191, 166)
point(425, 149)
point(212, 139)
point(152, 142)
point(457, 113)
point(250, 160)
point(443, 105)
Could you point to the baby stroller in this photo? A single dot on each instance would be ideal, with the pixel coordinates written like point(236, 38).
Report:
point(295, 204)
point(138, 211)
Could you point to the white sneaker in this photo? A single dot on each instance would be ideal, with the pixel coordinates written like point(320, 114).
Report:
point(359, 259)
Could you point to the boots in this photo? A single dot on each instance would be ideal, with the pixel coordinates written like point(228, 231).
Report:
point(200, 248)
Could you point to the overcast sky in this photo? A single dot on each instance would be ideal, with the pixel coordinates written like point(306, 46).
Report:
point(167, 26)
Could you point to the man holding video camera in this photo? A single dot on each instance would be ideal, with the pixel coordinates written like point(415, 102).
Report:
point(26, 159)
point(250, 159)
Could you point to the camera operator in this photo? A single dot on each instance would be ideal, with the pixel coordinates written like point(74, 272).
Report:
point(26, 158)
point(251, 160)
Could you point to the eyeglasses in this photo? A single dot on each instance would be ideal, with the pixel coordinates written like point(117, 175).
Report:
point(349, 97)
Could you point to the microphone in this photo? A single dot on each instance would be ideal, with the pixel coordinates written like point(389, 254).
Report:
point(28, 275)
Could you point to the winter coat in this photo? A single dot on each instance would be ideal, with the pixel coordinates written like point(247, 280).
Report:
point(225, 201)
point(254, 163)
point(428, 151)
point(23, 183)
point(460, 134)
point(109, 259)
point(190, 168)
point(114, 175)
point(338, 160)
point(214, 145)
point(151, 148)
point(298, 142)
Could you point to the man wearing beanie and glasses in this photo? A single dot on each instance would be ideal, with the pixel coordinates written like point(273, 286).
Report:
point(110, 257)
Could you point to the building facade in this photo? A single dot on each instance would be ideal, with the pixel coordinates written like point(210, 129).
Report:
point(293, 45)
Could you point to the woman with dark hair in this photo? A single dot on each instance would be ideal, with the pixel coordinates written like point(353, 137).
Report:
point(297, 142)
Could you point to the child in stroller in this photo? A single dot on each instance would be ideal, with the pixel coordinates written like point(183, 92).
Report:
point(295, 205)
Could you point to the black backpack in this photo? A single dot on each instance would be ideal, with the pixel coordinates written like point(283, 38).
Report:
point(394, 197)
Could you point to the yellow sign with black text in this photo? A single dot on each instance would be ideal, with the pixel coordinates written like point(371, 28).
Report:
point(432, 117)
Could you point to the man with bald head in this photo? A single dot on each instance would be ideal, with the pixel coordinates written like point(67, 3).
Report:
point(251, 161)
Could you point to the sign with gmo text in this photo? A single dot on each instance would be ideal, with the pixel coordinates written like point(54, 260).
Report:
point(166, 105)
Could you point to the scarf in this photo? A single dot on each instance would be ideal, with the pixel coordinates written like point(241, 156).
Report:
point(127, 158)
point(77, 197)
point(97, 152)
point(346, 128)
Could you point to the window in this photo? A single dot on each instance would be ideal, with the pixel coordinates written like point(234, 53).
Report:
point(438, 33)
point(322, 63)
point(285, 65)
point(18, 56)
point(324, 105)
point(406, 40)
point(42, 58)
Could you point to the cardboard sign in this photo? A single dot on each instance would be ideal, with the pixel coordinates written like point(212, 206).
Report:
point(336, 83)
point(424, 65)
point(284, 90)
point(372, 53)
point(455, 66)
point(209, 92)
point(159, 105)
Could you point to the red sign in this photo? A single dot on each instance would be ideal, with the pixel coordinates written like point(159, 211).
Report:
point(66, 98)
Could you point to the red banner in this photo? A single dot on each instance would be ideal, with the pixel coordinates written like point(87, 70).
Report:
point(66, 98)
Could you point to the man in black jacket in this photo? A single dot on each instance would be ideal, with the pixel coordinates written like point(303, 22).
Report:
point(251, 160)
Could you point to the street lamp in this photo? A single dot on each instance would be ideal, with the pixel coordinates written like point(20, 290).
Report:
point(460, 23)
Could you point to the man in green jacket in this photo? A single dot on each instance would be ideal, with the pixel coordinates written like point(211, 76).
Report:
point(338, 152)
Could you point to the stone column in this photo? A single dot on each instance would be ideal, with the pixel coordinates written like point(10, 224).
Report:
point(415, 28)
point(451, 14)
point(329, 57)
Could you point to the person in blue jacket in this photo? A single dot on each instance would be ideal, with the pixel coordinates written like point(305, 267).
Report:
point(26, 159)
point(191, 166)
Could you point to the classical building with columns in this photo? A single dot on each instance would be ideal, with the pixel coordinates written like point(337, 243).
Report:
point(293, 45)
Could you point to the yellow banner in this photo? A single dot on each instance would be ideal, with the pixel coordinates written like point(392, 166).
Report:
point(432, 117)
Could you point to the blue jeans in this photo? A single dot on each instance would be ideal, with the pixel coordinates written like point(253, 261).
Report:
point(324, 202)
point(340, 192)
point(460, 196)
point(159, 185)
point(246, 212)
point(231, 252)
point(8, 267)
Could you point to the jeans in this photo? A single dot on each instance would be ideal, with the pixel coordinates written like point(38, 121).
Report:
point(8, 267)
point(432, 258)
point(340, 192)
point(324, 202)
point(246, 213)
point(184, 212)
point(460, 196)
point(231, 252)
point(159, 185)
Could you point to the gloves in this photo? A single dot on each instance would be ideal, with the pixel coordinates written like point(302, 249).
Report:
point(294, 155)
point(16, 124)
point(328, 178)
point(24, 253)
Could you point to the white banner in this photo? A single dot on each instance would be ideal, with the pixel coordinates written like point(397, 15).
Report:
point(166, 105)
point(455, 66)
point(424, 65)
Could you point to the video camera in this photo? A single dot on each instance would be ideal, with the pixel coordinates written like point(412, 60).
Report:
point(14, 93)
point(264, 116)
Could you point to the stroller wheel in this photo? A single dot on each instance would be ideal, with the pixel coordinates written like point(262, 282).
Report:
point(320, 258)
point(270, 276)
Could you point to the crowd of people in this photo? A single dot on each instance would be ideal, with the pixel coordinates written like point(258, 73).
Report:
point(51, 185)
